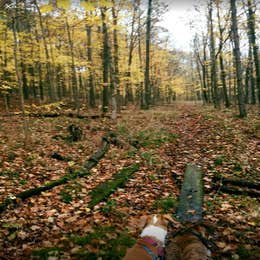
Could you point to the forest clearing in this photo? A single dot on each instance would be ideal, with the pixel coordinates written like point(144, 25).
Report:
point(113, 112)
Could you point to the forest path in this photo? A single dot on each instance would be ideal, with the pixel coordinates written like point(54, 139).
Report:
point(167, 139)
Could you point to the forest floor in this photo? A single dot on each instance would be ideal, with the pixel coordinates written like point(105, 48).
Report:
point(60, 224)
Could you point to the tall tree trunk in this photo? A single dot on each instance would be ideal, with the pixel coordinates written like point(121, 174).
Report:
point(147, 57)
point(141, 85)
point(106, 61)
point(221, 60)
point(116, 56)
point(92, 99)
point(74, 80)
point(214, 81)
point(205, 70)
point(48, 65)
point(18, 76)
point(236, 51)
point(252, 40)
point(129, 90)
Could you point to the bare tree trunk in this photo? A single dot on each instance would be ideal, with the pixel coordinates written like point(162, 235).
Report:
point(116, 58)
point(129, 91)
point(236, 51)
point(48, 65)
point(92, 100)
point(147, 57)
point(74, 80)
point(141, 85)
point(19, 79)
point(106, 61)
point(214, 81)
point(252, 40)
point(221, 60)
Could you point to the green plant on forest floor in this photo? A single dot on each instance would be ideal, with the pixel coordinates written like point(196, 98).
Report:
point(166, 205)
point(113, 243)
point(154, 139)
point(70, 191)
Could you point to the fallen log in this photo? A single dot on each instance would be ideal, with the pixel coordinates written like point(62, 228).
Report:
point(60, 157)
point(237, 191)
point(188, 242)
point(103, 190)
point(237, 182)
point(53, 115)
point(90, 163)
point(191, 198)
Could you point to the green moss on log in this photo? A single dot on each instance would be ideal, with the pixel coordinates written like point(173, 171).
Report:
point(90, 163)
point(103, 190)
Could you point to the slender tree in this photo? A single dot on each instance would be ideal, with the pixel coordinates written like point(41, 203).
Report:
point(92, 100)
point(49, 80)
point(214, 80)
point(106, 60)
point(237, 58)
point(147, 57)
point(221, 59)
point(253, 43)
point(74, 80)
point(116, 56)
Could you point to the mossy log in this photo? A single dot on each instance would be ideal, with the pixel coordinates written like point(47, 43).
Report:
point(103, 190)
point(191, 197)
point(53, 115)
point(237, 182)
point(240, 191)
point(90, 163)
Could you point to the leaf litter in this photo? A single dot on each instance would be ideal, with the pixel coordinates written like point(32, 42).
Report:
point(217, 141)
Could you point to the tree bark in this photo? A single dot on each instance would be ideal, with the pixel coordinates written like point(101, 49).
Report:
point(74, 80)
point(221, 60)
point(147, 58)
point(116, 57)
point(253, 43)
point(237, 55)
point(48, 65)
point(106, 60)
point(129, 91)
point(18, 76)
point(92, 100)
point(214, 81)
point(191, 198)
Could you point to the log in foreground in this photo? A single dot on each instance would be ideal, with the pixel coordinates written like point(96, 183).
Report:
point(189, 243)
point(90, 163)
point(191, 198)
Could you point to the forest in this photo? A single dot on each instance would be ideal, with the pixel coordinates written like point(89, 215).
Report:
point(101, 115)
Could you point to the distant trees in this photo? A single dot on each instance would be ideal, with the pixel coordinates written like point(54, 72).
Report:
point(231, 77)
point(106, 54)
point(89, 56)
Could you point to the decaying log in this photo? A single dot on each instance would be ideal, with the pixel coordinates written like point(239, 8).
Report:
point(236, 191)
point(191, 198)
point(188, 243)
point(103, 190)
point(90, 163)
point(60, 157)
point(237, 182)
